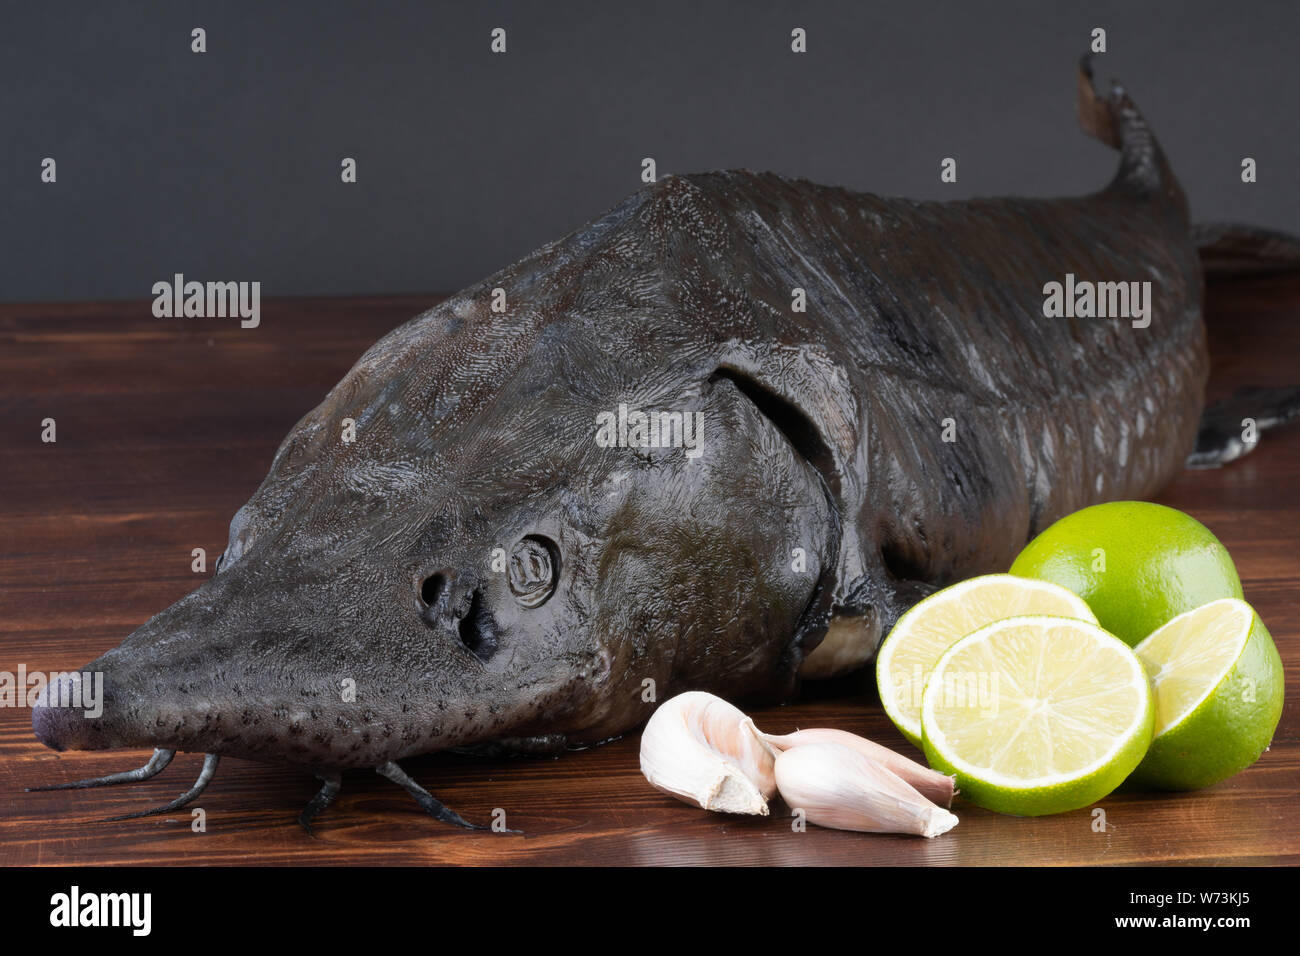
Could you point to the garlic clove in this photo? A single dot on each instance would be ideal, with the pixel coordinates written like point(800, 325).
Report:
point(838, 787)
point(934, 786)
point(701, 749)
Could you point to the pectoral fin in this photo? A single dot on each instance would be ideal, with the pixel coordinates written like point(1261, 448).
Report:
point(1230, 428)
point(856, 630)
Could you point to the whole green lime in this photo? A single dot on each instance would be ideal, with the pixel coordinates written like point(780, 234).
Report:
point(1137, 564)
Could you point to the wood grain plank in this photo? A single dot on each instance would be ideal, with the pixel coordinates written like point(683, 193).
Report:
point(166, 427)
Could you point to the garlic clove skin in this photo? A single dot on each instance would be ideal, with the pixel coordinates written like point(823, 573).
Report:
point(936, 787)
point(702, 750)
point(839, 787)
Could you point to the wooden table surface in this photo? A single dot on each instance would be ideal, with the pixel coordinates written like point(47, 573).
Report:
point(166, 426)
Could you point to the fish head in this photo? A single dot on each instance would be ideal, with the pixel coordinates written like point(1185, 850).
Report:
point(478, 536)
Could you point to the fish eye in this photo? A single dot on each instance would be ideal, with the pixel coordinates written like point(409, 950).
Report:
point(533, 570)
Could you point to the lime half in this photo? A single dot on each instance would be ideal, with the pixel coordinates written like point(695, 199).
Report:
point(925, 632)
point(1037, 715)
point(1219, 690)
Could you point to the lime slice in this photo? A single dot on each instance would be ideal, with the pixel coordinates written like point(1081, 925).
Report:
point(1037, 715)
point(1219, 688)
point(925, 632)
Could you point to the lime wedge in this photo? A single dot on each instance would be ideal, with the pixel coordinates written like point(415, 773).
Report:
point(925, 632)
point(1037, 715)
point(1219, 688)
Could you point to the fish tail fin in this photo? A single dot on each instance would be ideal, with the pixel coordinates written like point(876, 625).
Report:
point(1229, 428)
point(1115, 120)
point(1225, 249)
point(1228, 249)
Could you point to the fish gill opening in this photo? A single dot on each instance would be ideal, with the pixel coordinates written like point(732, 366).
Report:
point(806, 440)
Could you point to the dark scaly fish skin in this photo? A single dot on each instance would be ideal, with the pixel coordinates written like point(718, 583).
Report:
point(369, 562)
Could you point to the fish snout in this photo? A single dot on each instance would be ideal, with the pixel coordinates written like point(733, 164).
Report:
point(69, 713)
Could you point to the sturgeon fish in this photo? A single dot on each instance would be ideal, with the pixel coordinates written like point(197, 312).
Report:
point(481, 570)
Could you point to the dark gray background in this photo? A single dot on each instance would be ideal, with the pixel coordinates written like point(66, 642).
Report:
point(226, 165)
